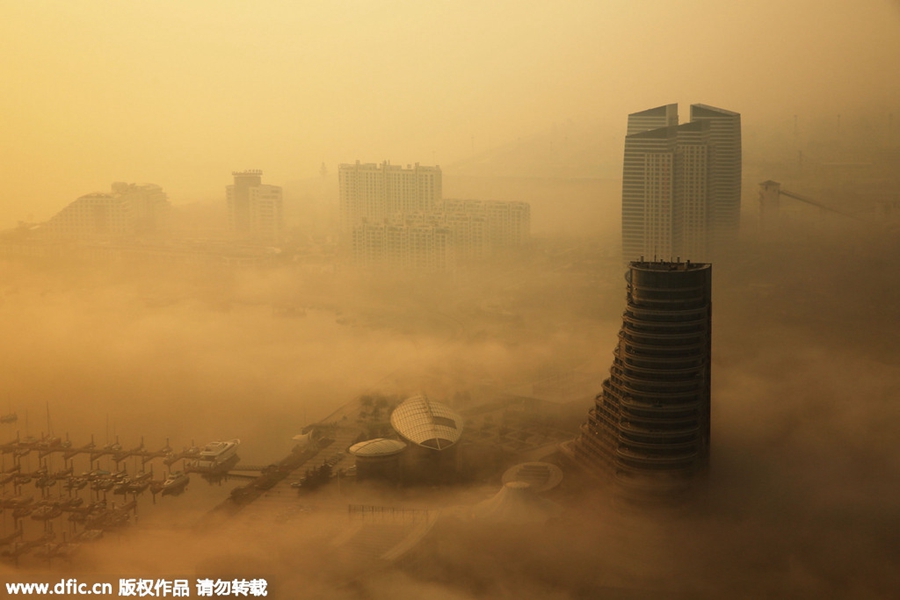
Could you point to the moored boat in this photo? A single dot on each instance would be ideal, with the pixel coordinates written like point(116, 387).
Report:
point(214, 455)
point(175, 483)
point(46, 512)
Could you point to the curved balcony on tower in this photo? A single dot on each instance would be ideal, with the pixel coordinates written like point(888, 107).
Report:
point(669, 364)
point(679, 458)
point(662, 372)
point(660, 402)
point(643, 347)
point(644, 384)
point(661, 315)
point(684, 325)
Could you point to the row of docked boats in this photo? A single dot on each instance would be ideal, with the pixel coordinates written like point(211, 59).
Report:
point(99, 480)
point(22, 446)
point(42, 510)
point(42, 477)
point(211, 457)
point(96, 515)
point(92, 518)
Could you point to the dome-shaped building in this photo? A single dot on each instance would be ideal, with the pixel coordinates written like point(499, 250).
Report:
point(378, 458)
point(427, 423)
point(433, 430)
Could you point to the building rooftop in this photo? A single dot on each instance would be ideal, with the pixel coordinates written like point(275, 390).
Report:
point(659, 111)
point(427, 423)
point(377, 447)
point(667, 265)
point(705, 110)
point(540, 476)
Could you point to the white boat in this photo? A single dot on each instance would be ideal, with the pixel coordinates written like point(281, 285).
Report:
point(175, 483)
point(215, 454)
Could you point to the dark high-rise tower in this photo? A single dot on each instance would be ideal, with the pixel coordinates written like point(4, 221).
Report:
point(650, 427)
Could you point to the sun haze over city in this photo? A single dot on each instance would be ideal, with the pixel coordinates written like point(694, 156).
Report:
point(450, 299)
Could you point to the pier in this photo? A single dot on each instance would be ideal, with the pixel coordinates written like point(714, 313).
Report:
point(82, 505)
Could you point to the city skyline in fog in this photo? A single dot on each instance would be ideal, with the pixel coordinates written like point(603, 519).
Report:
point(181, 95)
point(298, 313)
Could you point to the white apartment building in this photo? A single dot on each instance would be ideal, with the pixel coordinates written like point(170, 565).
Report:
point(255, 210)
point(372, 193)
point(459, 231)
point(266, 213)
point(483, 227)
point(128, 210)
point(420, 247)
point(397, 217)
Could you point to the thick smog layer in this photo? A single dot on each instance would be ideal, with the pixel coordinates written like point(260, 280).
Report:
point(451, 302)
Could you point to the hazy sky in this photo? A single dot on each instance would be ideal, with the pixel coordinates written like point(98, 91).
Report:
point(182, 93)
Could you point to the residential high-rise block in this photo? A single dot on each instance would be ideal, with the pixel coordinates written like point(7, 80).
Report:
point(454, 233)
point(397, 218)
point(255, 210)
point(681, 184)
point(266, 213)
point(373, 193)
point(127, 210)
point(406, 246)
point(649, 430)
point(238, 198)
point(482, 228)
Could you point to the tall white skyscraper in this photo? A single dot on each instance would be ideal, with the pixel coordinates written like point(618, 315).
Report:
point(680, 183)
point(725, 169)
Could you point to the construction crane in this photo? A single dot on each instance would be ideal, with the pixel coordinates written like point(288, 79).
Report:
point(770, 193)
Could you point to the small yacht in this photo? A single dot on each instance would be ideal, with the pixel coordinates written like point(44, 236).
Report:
point(215, 454)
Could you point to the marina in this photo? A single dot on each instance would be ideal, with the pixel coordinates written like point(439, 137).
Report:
point(79, 494)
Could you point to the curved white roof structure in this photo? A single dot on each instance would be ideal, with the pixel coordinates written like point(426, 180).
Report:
point(427, 423)
point(540, 476)
point(377, 448)
point(516, 503)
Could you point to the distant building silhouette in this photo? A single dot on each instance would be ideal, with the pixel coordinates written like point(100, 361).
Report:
point(455, 232)
point(414, 246)
point(126, 211)
point(681, 184)
point(397, 218)
point(371, 192)
point(481, 228)
point(255, 210)
point(649, 430)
